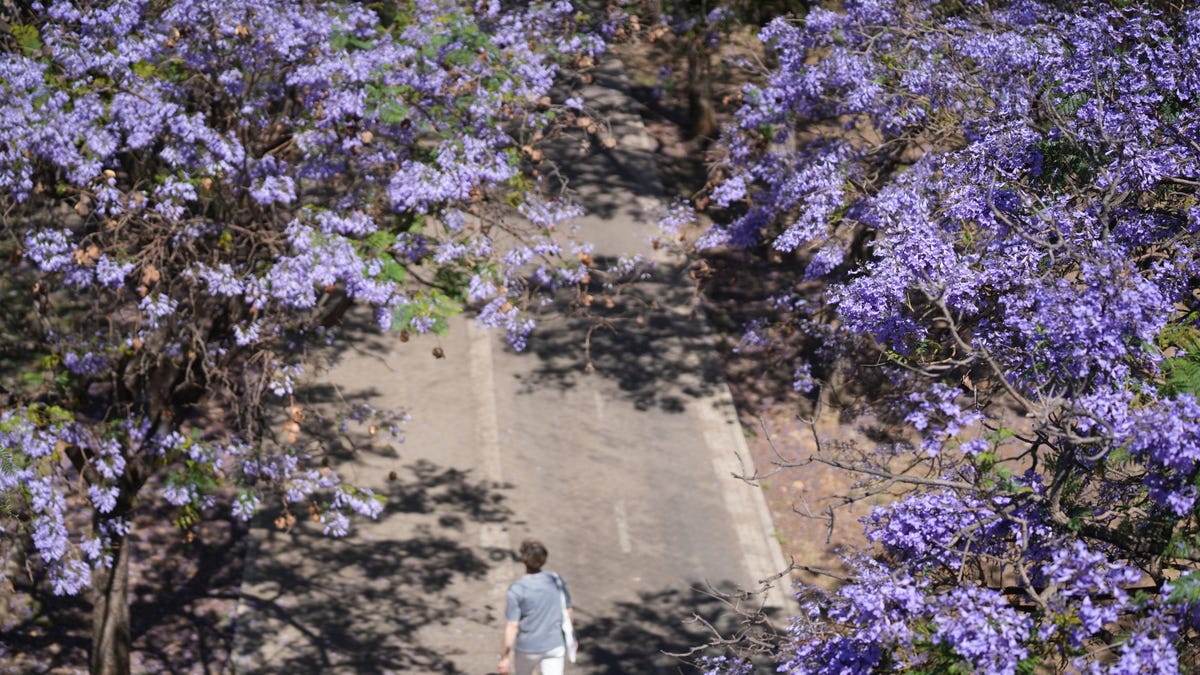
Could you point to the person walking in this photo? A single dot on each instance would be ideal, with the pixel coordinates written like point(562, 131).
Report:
point(533, 614)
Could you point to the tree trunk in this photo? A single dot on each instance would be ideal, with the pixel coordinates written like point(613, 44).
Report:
point(110, 614)
point(702, 111)
point(14, 566)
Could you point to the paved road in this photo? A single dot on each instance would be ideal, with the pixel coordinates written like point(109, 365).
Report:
point(624, 473)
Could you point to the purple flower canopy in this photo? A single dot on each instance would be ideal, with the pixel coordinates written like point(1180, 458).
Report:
point(1002, 198)
point(221, 177)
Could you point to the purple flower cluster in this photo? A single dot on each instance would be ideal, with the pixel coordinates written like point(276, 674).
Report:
point(934, 528)
point(894, 621)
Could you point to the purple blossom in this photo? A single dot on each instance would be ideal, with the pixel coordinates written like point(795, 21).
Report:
point(245, 506)
point(156, 307)
point(89, 363)
point(980, 626)
point(69, 576)
point(335, 524)
point(104, 498)
point(274, 189)
point(112, 274)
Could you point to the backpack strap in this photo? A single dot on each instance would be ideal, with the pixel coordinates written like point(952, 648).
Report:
point(562, 594)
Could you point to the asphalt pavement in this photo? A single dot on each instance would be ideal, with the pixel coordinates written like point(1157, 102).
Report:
point(625, 473)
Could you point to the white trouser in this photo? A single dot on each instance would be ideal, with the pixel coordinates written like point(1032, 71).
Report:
point(551, 661)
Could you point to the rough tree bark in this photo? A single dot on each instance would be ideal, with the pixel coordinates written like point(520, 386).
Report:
point(110, 614)
point(702, 112)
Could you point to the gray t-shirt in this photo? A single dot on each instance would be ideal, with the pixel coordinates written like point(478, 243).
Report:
point(533, 601)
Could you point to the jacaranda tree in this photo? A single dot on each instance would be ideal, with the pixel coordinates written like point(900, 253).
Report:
point(193, 192)
point(1001, 200)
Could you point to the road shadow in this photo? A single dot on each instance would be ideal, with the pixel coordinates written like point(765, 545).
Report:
point(649, 342)
point(314, 604)
point(607, 181)
point(665, 632)
point(352, 603)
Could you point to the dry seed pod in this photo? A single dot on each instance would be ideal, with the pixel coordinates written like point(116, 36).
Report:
point(292, 430)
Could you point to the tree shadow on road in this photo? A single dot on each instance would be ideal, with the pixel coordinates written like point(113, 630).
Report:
point(649, 342)
point(662, 632)
point(610, 182)
point(353, 605)
point(313, 604)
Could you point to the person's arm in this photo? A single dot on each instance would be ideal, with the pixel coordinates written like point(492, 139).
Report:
point(510, 639)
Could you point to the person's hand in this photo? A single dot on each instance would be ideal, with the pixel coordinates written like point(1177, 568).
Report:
point(503, 666)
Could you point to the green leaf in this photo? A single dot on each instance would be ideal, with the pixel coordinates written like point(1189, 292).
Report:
point(59, 415)
point(144, 70)
point(27, 38)
point(394, 272)
point(1181, 374)
point(1071, 104)
point(1186, 588)
point(6, 462)
point(393, 113)
point(1001, 434)
point(381, 240)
